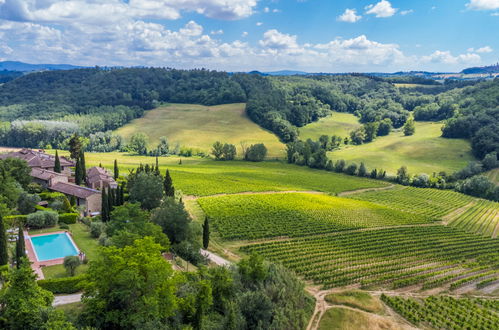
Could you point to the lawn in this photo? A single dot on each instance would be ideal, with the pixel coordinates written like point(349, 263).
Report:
point(339, 123)
point(85, 243)
point(204, 177)
point(346, 319)
point(199, 126)
point(424, 152)
point(356, 299)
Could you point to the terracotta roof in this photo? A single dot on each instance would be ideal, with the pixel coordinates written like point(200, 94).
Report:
point(74, 190)
point(37, 158)
point(44, 174)
point(96, 174)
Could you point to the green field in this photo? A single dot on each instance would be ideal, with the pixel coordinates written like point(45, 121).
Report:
point(493, 175)
point(339, 123)
point(204, 177)
point(424, 152)
point(428, 202)
point(198, 126)
point(393, 257)
point(482, 217)
point(294, 215)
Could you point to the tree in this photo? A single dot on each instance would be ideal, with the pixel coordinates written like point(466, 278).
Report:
point(138, 143)
point(27, 306)
point(163, 148)
point(409, 127)
point(174, 220)
point(147, 189)
point(490, 161)
point(385, 127)
point(4, 252)
point(217, 150)
point(104, 213)
point(256, 153)
point(57, 163)
point(116, 170)
point(371, 131)
point(403, 175)
point(168, 185)
point(204, 300)
point(129, 288)
point(20, 247)
point(358, 136)
point(83, 167)
point(75, 146)
point(206, 233)
point(78, 172)
point(351, 169)
point(27, 202)
point(70, 264)
point(339, 166)
point(229, 151)
point(362, 170)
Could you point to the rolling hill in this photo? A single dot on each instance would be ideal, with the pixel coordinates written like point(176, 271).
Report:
point(200, 126)
point(339, 123)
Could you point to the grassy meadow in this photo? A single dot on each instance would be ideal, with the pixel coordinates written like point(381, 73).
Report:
point(424, 152)
point(339, 123)
point(493, 175)
point(199, 126)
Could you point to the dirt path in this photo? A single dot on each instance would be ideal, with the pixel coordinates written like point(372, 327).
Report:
point(66, 299)
point(312, 192)
point(358, 191)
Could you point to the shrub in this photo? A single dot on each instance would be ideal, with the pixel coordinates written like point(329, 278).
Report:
point(11, 220)
point(42, 219)
point(96, 229)
point(27, 202)
point(68, 218)
point(256, 153)
point(70, 264)
point(63, 226)
point(63, 285)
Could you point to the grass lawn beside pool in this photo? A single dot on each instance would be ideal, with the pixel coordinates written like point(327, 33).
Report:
point(197, 126)
point(85, 243)
point(339, 123)
point(424, 152)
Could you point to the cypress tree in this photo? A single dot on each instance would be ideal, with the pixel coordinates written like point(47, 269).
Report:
point(116, 170)
point(78, 176)
point(4, 254)
point(72, 200)
point(110, 202)
point(83, 167)
point(168, 185)
point(156, 170)
point(57, 163)
point(104, 207)
point(206, 233)
point(20, 248)
point(122, 194)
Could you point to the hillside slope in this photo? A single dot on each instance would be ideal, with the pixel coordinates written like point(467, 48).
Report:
point(200, 126)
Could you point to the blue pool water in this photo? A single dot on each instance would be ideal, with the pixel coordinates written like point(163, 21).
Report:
point(53, 246)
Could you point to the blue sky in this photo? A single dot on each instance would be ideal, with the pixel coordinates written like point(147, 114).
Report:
point(242, 35)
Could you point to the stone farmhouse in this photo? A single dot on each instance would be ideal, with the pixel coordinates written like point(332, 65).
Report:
point(99, 178)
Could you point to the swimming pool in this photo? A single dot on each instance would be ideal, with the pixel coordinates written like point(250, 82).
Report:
point(53, 246)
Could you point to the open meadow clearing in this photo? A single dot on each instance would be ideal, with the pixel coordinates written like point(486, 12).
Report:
point(338, 123)
point(198, 126)
point(424, 152)
point(270, 215)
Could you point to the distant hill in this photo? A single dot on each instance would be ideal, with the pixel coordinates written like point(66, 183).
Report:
point(26, 67)
point(483, 69)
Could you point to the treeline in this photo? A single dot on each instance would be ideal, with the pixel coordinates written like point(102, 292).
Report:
point(6, 75)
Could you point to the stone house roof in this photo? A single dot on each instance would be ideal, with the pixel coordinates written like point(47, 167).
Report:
point(44, 175)
point(37, 158)
point(74, 190)
point(96, 174)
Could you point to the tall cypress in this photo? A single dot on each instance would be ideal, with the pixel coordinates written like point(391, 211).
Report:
point(110, 202)
point(168, 185)
point(122, 194)
point(20, 248)
point(206, 233)
point(116, 170)
point(57, 163)
point(104, 208)
point(156, 170)
point(83, 167)
point(4, 254)
point(78, 176)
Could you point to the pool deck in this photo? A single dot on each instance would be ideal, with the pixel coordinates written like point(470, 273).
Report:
point(37, 265)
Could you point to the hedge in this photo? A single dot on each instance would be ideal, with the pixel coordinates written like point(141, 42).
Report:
point(63, 285)
point(18, 219)
point(43, 208)
point(50, 196)
point(68, 218)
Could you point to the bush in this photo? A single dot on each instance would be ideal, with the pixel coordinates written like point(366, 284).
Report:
point(11, 220)
point(256, 153)
point(96, 229)
point(52, 196)
point(42, 219)
point(27, 202)
point(63, 285)
point(68, 218)
point(70, 264)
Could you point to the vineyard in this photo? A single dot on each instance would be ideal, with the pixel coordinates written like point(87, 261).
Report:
point(297, 214)
point(392, 257)
point(481, 218)
point(432, 203)
point(446, 312)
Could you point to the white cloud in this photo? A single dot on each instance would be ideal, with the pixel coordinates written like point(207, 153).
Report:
point(244, 34)
point(274, 39)
point(382, 9)
point(259, 23)
point(483, 4)
point(445, 57)
point(217, 32)
point(486, 49)
point(266, 9)
point(406, 12)
point(350, 16)
point(276, 11)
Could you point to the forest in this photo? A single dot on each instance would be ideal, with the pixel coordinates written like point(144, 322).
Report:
point(45, 108)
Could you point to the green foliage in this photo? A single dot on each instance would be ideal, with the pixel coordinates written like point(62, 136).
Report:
point(57, 163)
point(131, 287)
point(206, 233)
point(75, 146)
point(68, 218)
point(256, 152)
point(147, 189)
point(20, 247)
point(70, 264)
point(4, 252)
point(64, 285)
point(409, 127)
point(138, 143)
point(168, 185)
point(96, 229)
point(116, 171)
point(42, 219)
point(480, 218)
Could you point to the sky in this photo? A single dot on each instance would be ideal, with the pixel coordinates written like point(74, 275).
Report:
point(245, 35)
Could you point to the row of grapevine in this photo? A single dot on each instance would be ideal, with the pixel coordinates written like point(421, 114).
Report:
point(443, 312)
point(395, 257)
point(481, 218)
point(297, 214)
point(432, 203)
